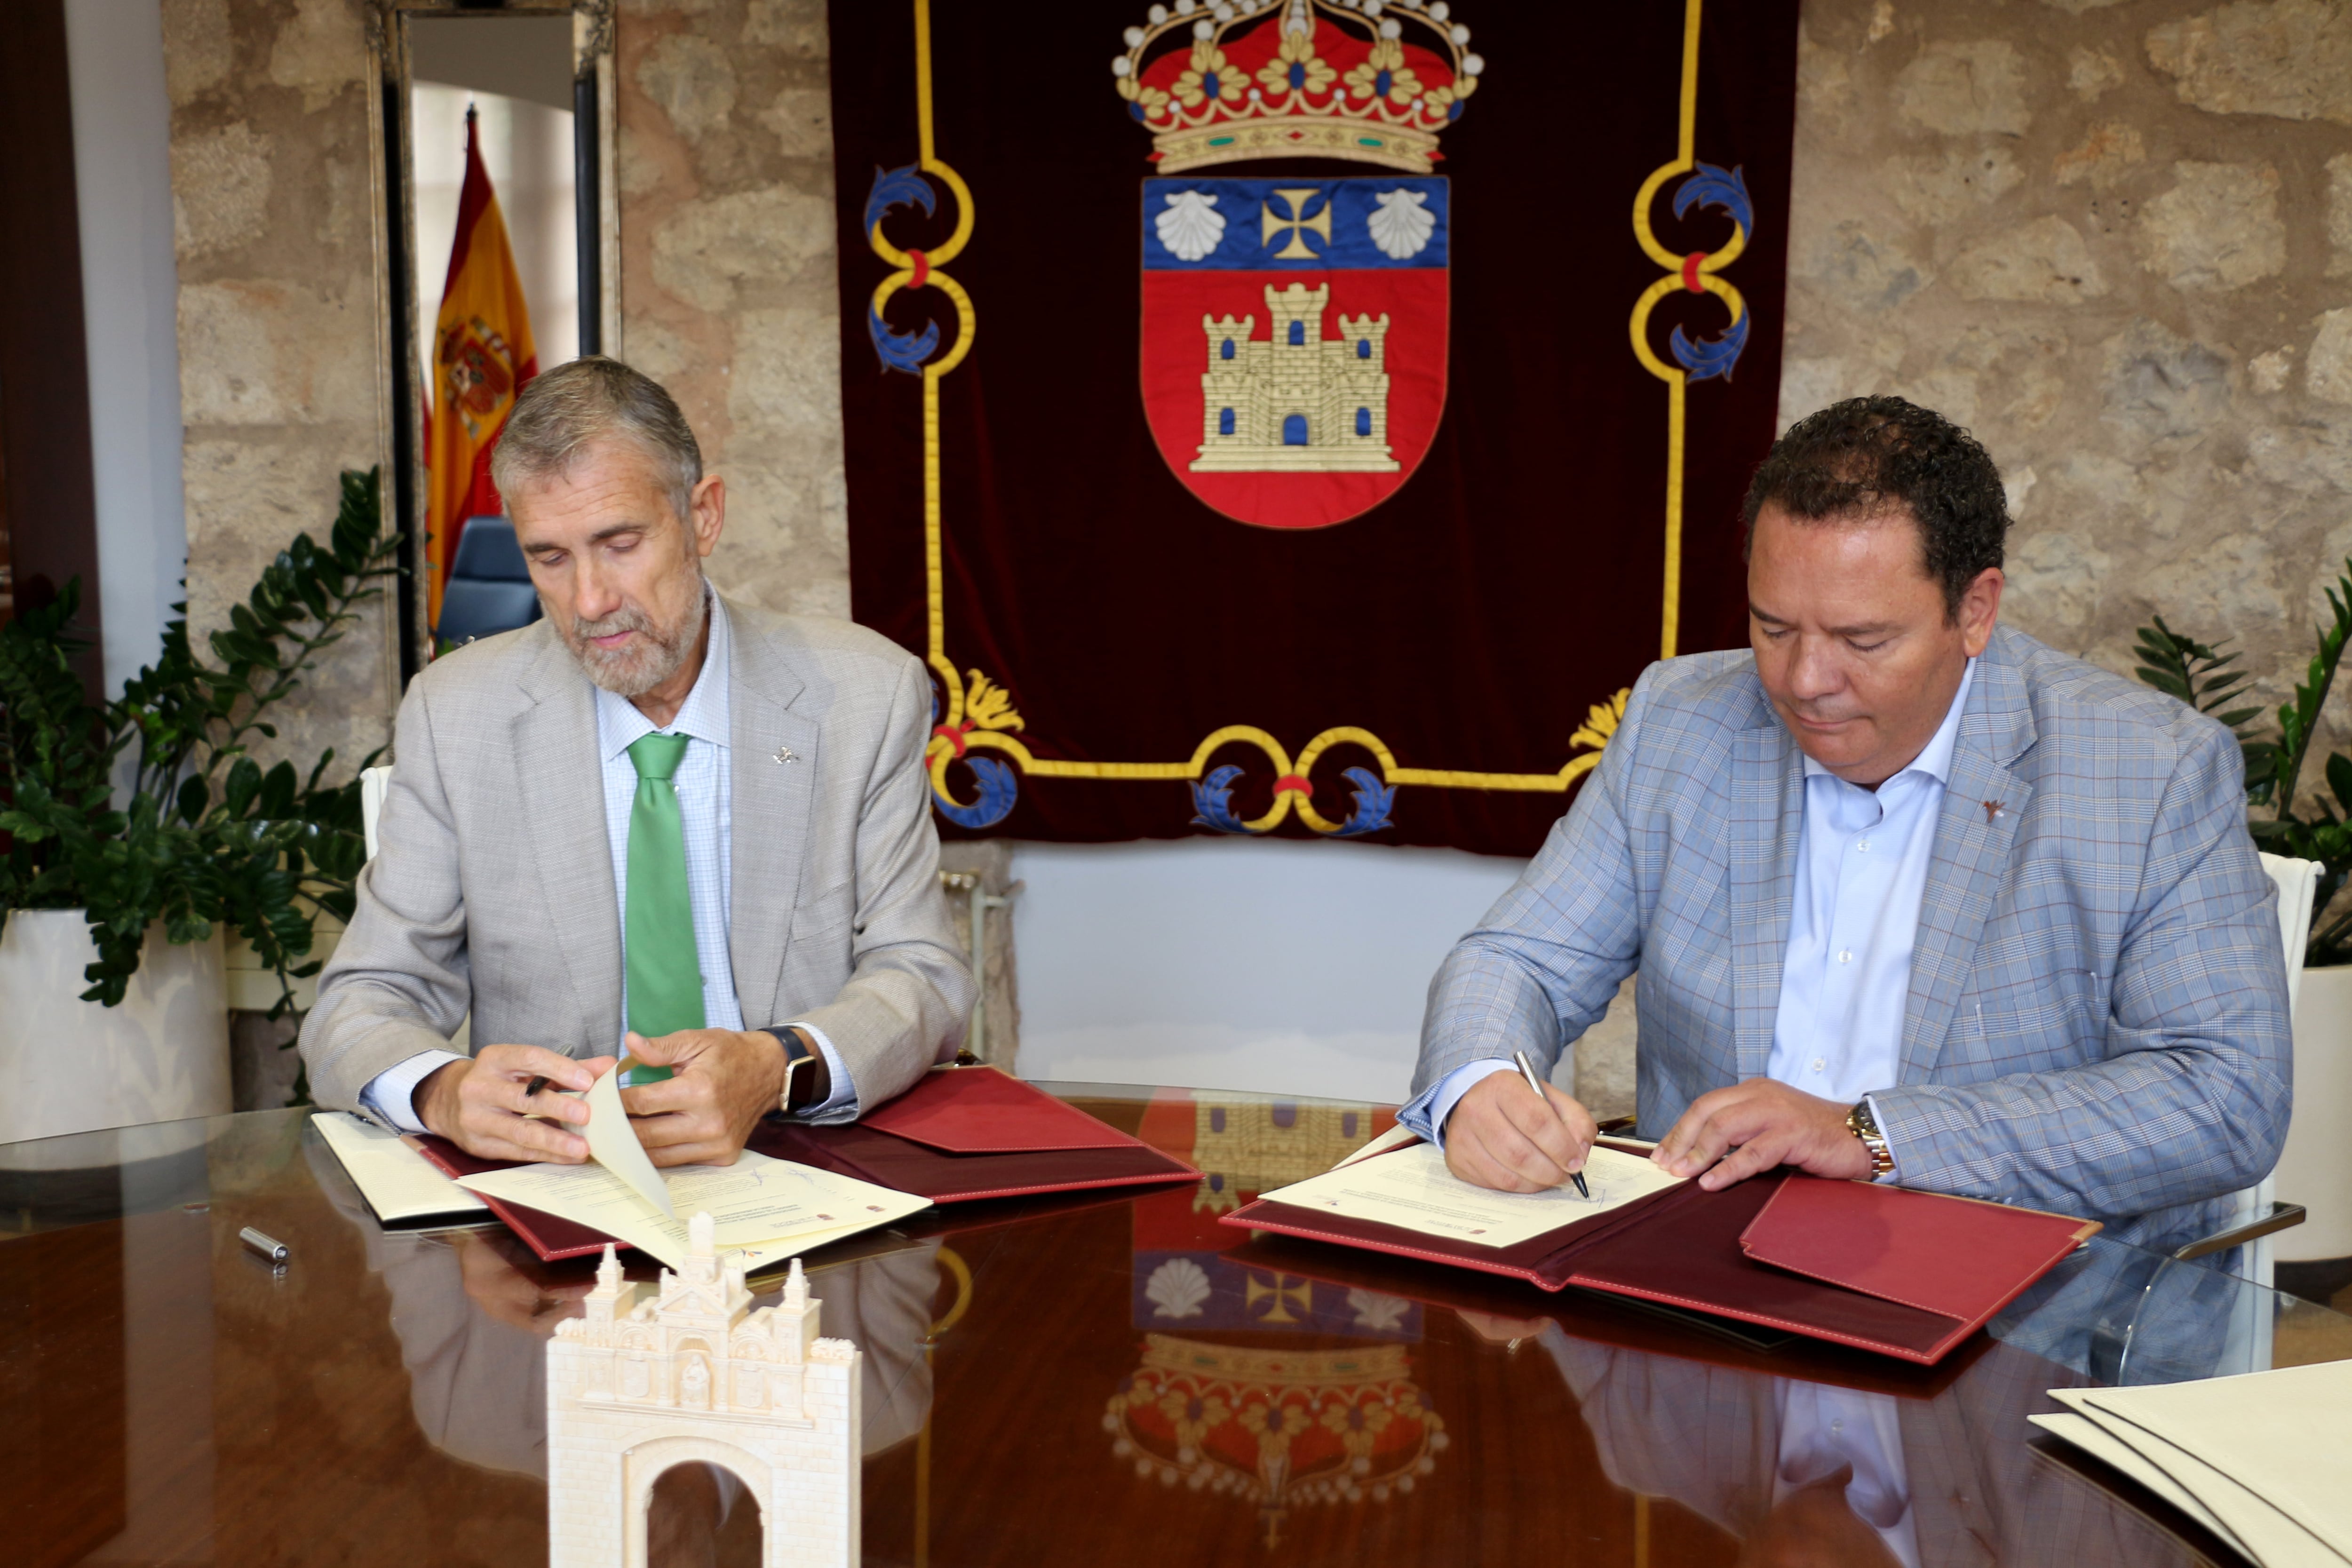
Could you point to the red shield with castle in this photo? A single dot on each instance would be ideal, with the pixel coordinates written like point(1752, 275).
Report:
point(1294, 341)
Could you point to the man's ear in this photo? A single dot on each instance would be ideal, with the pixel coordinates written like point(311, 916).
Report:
point(708, 516)
point(1980, 608)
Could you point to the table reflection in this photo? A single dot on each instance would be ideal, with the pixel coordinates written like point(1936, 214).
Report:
point(1279, 1393)
point(1806, 1472)
point(1091, 1378)
point(1886, 1465)
point(473, 1312)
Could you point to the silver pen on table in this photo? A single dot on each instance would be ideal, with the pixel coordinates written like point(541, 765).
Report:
point(1527, 1071)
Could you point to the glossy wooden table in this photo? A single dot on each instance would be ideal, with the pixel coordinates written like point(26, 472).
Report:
point(1061, 1381)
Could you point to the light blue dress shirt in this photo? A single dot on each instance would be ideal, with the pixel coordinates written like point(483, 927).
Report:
point(1846, 983)
point(1824, 1429)
point(704, 804)
point(1819, 1428)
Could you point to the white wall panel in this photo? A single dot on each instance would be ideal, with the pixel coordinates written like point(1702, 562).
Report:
point(1271, 966)
point(130, 287)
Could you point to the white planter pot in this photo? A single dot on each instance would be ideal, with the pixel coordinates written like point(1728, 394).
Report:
point(2316, 1169)
point(71, 1066)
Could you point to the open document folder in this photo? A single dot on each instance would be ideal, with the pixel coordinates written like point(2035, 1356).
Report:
point(397, 1182)
point(2261, 1460)
point(768, 1209)
point(1882, 1269)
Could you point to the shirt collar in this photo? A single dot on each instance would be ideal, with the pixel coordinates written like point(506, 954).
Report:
point(704, 714)
point(1935, 761)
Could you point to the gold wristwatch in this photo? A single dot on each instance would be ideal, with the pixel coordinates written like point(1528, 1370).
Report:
point(1864, 1126)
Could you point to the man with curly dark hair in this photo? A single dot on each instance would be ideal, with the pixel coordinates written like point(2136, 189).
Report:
point(1912, 897)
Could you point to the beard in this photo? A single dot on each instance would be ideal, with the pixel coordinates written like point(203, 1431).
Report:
point(643, 662)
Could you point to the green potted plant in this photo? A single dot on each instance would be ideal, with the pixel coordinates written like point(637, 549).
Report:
point(2316, 1168)
point(134, 831)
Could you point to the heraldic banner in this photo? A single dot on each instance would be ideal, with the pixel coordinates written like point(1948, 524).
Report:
point(1302, 416)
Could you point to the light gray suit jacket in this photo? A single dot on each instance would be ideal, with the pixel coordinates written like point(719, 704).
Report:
point(492, 886)
point(2097, 1022)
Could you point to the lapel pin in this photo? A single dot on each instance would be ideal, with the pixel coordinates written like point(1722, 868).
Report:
point(786, 754)
point(1993, 809)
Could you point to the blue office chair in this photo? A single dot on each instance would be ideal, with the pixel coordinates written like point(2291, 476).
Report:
point(489, 586)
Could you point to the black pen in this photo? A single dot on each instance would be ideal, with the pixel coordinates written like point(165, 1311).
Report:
point(1527, 1071)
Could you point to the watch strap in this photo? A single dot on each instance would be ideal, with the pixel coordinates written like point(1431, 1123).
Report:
point(799, 1069)
point(1862, 1123)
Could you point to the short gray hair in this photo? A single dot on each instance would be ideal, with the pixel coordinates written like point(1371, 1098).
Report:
point(562, 413)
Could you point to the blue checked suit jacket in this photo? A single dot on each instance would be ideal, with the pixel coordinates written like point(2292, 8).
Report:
point(2097, 1021)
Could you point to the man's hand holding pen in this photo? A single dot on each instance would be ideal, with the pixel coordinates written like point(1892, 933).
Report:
point(1502, 1136)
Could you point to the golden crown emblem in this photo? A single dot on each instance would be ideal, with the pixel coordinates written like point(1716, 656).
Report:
point(1285, 78)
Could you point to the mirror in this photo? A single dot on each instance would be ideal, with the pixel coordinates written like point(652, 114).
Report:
point(490, 284)
point(511, 77)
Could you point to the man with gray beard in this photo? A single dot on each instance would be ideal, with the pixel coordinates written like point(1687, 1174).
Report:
point(656, 822)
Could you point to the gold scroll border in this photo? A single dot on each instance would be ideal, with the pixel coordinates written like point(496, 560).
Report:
point(980, 716)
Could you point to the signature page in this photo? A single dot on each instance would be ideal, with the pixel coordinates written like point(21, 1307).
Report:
point(768, 1209)
point(1412, 1190)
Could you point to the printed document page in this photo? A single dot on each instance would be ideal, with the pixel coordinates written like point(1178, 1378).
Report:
point(1412, 1190)
point(398, 1182)
point(613, 1143)
point(2096, 1441)
point(2264, 1451)
point(768, 1209)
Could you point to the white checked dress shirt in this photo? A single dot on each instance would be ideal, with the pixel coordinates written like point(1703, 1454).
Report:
point(701, 782)
point(1845, 982)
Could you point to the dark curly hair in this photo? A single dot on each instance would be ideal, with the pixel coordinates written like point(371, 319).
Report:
point(1869, 455)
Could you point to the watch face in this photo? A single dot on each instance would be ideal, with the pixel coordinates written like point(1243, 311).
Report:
point(794, 1075)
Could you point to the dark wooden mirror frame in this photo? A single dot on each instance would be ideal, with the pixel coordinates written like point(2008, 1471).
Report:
point(597, 211)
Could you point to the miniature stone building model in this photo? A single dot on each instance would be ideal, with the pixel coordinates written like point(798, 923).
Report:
point(650, 1379)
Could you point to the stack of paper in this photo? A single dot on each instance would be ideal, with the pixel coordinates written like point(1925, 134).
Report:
point(767, 1209)
point(397, 1182)
point(2261, 1460)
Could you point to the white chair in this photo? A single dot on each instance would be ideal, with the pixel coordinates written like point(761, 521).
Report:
point(2259, 1211)
point(2298, 882)
point(374, 784)
point(2257, 1215)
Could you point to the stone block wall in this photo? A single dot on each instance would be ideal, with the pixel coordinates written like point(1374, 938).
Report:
point(2115, 238)
point(727, 278)
point(2112, 236)
point(727, 273)
point(282, 374)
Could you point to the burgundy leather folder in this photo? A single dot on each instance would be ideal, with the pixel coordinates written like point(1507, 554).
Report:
point(960, 1133)
point(1881, 1268)
point(979, 1110)
point(544, 1234)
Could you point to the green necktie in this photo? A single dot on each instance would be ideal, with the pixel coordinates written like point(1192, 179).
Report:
point(664, 974)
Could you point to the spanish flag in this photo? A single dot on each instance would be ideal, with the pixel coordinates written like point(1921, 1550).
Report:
point(482, 356)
